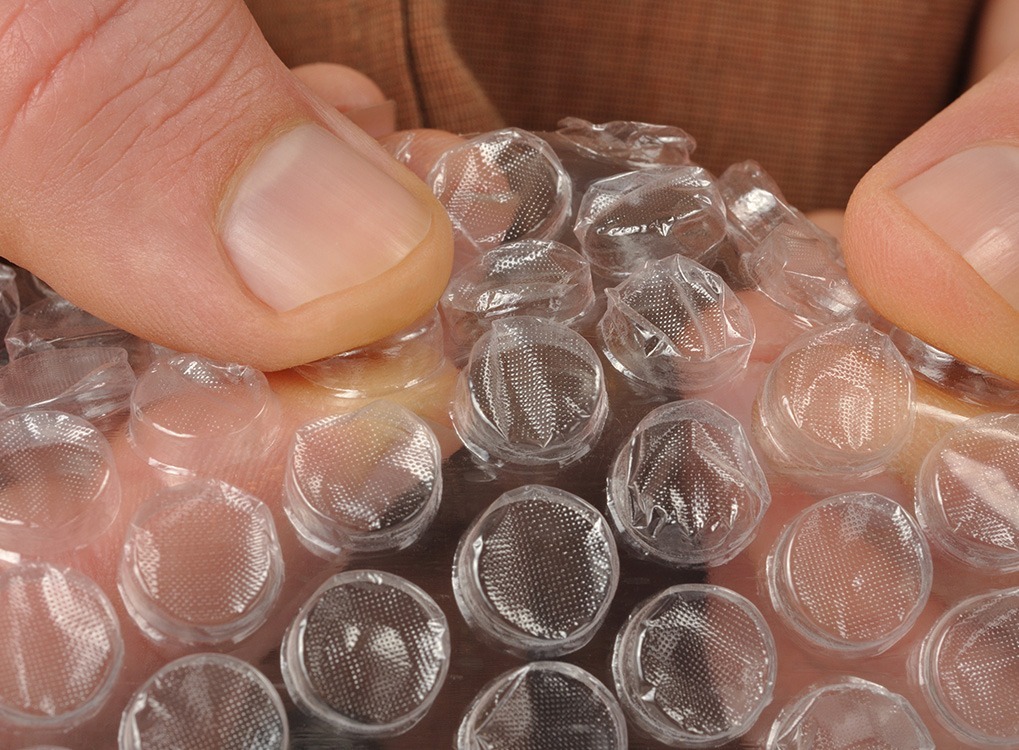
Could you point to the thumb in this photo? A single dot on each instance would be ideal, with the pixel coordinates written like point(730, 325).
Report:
point(160, 167)
point(931, 234)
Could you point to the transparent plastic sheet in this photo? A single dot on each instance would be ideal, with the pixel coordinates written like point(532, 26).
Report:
point(837, 441)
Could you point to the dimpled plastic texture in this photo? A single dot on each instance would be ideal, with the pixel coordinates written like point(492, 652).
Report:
point(800, 268)
point(967, 492)
point(850, 714)
point(94, 383)
point(544, 705)
point(533, 392)
point(540, 278)
point(695, 665)
point(969, 669)
point(838, 401)
point(402, 360)
point(755, 205)
point(367, 654)
point(536, 572)
point(677, 327)
point(191, 415)
point(502, 186)
point(61, 650)
point(686, 488)
point(851, 574)
point(627, 220)
point(201, 564)
point(205, 701)
point(60, 489)
point(369, 481)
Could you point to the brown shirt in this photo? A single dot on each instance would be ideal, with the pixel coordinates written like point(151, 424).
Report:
point(816, 91)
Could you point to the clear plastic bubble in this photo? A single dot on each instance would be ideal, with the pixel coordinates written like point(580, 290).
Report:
point(969, 669)
point(384, 671)
point(967, 493)
point(754, 202)
point(628, 220)
point(536, 572)
point(201, 564)
point(205, 701)
point(629, 144)
point(677, 327)
point(838, 401)
point(695, 665)
point(686, 488)
point(369, 481)
point(539, 278)
point(502, 186)
point(851, 574)
point(191, 415)
point(399, 361)
point(61, 650)
point(60, 487)
point(533, 392)
point(544, 705)
point(849, 714)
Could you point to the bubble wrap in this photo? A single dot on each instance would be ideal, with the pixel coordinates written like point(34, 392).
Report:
point(695, 664)
point(536, 572)
point(755, 205)
point(201, 564)
point(503, 186)
point(533, 392)
point(59, 487)
point(967, 493)
point(839, 400)
point(851, 574)
point(544, 705)
point(61, 650)
point(627, 220)
point(851, 714)
point(367, 654)
point(686, 488)
point(677, 327)
point(369, 481)
point(205, 701)
point(969, 669)
point(627, 144)
point(540, 278)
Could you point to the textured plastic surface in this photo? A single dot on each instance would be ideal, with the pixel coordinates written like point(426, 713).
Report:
point(849, 714)
point(540, 278)
point(60, 489)
point(536, 571)
point(839, 400)
point(61, 650)
point(205, 701)
point(544, 705)
point(695, 665)
point(851, 574)
point(755, 204)
point(369, 481)
point(201, 564)
point(628, 220)
point(677, 327)
point(533, 392)
point(967, 493)
point(686, 488)
point(379, 680)
point(969, 669)
point(503, 186)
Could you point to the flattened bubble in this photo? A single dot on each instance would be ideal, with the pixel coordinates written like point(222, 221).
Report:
point(686, 488)
point(544, 705)
point(533, 392)
point(677, 327)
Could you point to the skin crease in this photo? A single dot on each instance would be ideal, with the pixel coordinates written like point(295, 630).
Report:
point(299, 401)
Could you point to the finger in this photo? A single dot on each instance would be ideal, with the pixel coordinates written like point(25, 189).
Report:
point(353, 93)
point(195, 194)
point(997, 37)
point(931, 234)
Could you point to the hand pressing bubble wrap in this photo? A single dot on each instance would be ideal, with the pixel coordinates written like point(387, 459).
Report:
point(537, 405)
